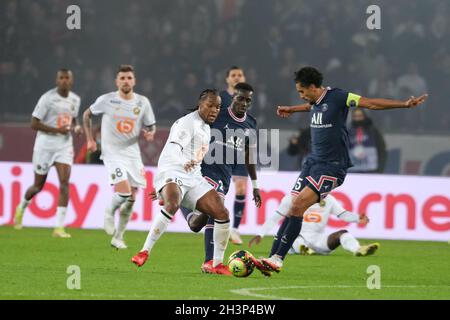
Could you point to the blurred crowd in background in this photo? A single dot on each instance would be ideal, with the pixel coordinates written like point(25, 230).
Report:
point(179, 47)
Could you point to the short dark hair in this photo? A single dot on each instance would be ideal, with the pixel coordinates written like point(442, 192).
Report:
point(307, 76)
point(125, 68)
point(64, 70)
point(243, 86)
point(231, 69)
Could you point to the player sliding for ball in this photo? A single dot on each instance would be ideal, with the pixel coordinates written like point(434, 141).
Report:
point(326, 167)
point(313, 239)
point(179, 180)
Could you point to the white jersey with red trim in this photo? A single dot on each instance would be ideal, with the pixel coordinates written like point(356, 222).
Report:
point(315, 218)
point(55, 111)
point(192, 136)
point(122, 121)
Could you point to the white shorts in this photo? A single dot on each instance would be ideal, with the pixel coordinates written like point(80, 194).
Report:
point(193, 187)
point(131, 170)
point(316, 241)
point(44, 159)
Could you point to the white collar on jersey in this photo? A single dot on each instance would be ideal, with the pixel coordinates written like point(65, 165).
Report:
point(322, 96)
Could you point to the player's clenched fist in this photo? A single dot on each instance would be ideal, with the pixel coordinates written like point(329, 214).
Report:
point(91, 146)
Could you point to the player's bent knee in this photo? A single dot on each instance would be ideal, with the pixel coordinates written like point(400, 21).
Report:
point(171, 207)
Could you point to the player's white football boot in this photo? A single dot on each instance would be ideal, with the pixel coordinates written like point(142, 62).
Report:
point(118, 243)
point(367, 250)
point(235, 237)
point(18, 217)
point(109, 222)
point(60, 233)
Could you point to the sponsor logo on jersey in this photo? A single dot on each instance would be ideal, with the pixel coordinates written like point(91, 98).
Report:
point(316, 118)
point(115, 101)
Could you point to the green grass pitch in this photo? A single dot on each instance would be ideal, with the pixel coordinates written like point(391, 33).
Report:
point(33, 265)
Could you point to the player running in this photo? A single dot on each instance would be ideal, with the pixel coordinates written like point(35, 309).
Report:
point(233, 144)
point(234, 76)
point(125, 115)
point(326, 167)
point(179, 181)
point(313, 239)
point(54, 117)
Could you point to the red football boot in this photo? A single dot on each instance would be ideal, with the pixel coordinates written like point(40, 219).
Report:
point(221, 269)
point(261, 267)
point(207, 267)
point(140, 258)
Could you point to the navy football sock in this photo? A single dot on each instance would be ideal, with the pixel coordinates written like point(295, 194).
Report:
point(277, 238)
point(290, 234)
point(209, 240)
point(239, 205)
point(185, 212)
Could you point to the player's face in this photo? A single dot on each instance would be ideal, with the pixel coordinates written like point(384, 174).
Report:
point(209, 108)
point(125, 81)
point(310, 93)
point(234, 77)
point(242, 101)
point(64, 80)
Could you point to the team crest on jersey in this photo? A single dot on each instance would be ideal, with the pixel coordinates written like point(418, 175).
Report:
point(324, 107)
point(136, 110)
point(113, 176)
point(322, 203)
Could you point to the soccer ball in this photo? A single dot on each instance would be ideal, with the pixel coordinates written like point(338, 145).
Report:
point(240, 263)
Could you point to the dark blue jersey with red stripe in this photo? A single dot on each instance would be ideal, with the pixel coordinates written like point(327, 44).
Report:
point(329, 135)
point(229, 136)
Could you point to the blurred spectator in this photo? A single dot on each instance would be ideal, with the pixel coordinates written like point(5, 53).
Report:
point(367, 146)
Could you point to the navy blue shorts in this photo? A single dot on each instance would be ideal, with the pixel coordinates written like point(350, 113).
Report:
point(240, 170)
point(322, 177)
point(220, 183)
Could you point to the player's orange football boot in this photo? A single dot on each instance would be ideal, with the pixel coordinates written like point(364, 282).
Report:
point(221, 269)
point(140, 258)
point(207, 267)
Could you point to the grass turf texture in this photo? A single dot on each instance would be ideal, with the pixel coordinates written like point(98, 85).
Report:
point(33, 265)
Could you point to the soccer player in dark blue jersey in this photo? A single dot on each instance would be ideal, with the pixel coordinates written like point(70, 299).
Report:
point(234, 76)
point(233, 143)
point(326, 166)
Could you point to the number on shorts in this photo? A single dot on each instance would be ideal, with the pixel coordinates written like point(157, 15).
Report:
point(118, 173)
point(298, 184)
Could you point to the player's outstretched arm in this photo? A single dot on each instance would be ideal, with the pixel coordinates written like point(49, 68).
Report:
point(287, 111)
point(87, 124)
point(37, 125)
point(382, 104)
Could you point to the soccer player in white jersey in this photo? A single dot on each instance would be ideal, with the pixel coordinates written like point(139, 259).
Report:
point(179, 180)
point(313, 238)
point(125, 115)
point(54, 117)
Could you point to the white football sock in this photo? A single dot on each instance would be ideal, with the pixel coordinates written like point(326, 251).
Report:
point(297, 243)
point(24, 204)
point(349, 242)
point(159, 226)
point(125, 214)
point(60, 215)
point(221, 235)
point(117, 200)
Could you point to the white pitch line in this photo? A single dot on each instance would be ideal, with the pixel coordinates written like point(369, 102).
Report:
point(249, 291)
